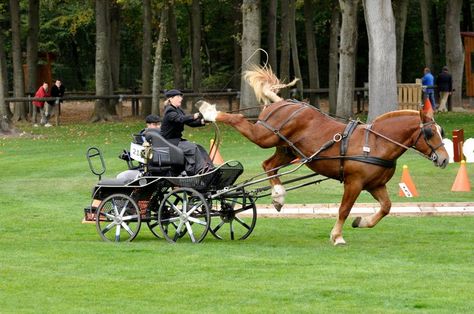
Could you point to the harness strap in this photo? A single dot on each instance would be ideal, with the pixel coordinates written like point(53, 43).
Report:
point(366, 147)
point(277, 132)
point(365, 159)
point(350, 127)
point(281, 136)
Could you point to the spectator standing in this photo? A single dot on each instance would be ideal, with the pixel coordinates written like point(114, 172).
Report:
point(42, 92)
point(445, 88)
point(428, 82)
point(57, 90)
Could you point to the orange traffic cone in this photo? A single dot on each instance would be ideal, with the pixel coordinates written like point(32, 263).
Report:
point(407, 187)
point(215, 155)
point(461, 183)
point(427, 108)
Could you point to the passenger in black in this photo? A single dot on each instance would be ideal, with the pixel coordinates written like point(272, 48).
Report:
point(172, 126)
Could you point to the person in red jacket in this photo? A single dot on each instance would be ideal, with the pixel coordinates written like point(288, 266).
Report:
point(43, 91)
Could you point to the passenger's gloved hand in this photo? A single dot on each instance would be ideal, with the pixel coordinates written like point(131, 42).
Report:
point(125, 156)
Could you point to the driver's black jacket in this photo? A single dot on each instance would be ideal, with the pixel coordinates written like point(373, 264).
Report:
point(173, 123)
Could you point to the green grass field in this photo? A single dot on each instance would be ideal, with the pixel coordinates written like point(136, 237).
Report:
point(50, 262)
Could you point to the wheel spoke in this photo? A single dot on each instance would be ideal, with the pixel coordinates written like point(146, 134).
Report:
point(109, 227)
point(124, 208)
point(108, 215)
point(243, 223)
point(117, 234)
point(130, 217)
point(175, 208)
point(197, 221)
point(127, 228)
point(244, 208)
point(231, 230)
point(190, 231)
point(218, 226)
point(193, 209)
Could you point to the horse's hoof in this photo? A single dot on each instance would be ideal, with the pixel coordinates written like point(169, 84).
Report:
point(339, 242)
point(278, 206)
point(356, 222)
point(208, 111)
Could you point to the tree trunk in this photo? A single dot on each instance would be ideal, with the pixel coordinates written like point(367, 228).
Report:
point(347, 56)
point(454, 49)
point(312, 52)
point(175, 50)
point(196, 46)
point(237, 26)
point(271, 39)
point(425, 6)
point(146, 57)
point(114, 53)
point(400, 9)
point(382, 57)
point(155, 108)
point(251, 26)
point(3, 67)
point(5, 125)
point(18, 81)
point(334, 56)
point(294, 50)
point(102, 68)
point(285, 46)
point(32, 46)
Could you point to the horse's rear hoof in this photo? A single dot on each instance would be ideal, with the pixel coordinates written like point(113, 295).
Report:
point(356, 222)
point(339, 242)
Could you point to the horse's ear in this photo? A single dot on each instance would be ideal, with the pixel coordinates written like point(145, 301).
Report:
point(426, 116)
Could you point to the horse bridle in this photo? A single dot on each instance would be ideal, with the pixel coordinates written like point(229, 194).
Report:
point(425, 130)
point(433, 156)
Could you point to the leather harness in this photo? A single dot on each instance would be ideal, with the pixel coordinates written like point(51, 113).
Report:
point(342, 138)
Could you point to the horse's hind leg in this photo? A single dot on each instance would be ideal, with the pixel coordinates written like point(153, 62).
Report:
point(381, 195)
point(351, 192)
point(282, 156)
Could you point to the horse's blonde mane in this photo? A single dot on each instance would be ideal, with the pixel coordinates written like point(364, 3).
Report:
point(265, 83)
point(397, 113)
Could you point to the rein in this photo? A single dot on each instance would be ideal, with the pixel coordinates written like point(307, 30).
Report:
point(433, 149)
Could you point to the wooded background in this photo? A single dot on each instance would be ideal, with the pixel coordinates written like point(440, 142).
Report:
point(149, 45)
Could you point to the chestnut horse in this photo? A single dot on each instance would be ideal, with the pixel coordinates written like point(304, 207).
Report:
point(362, 156)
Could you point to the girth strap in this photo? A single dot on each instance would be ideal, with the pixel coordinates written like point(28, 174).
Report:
point(350, 127)
point(365, 159)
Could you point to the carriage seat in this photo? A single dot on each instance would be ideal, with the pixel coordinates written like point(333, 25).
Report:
point(166, 156)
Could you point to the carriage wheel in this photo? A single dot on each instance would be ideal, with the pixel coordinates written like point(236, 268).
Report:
point(118, 218)
point(153, 223)
point(184, 213)
point(239, 212)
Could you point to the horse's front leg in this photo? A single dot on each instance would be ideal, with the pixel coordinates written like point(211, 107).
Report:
point(381, 195)
point(281, 157)
point(351, 192)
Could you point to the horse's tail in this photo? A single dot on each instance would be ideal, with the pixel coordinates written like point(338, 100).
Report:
point(265, 83)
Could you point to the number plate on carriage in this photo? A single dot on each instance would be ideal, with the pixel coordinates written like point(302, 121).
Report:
point(137, 152)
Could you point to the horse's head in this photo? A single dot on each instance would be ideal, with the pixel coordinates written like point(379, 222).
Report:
point(429, 141)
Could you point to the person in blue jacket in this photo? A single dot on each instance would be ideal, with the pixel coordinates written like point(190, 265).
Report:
point(428, 82)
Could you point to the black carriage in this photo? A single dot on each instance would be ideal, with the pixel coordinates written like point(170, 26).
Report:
point(174, 206)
